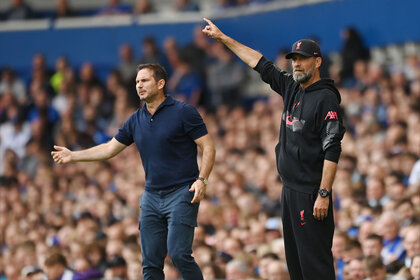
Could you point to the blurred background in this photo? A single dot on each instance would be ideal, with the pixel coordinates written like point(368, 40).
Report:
point(67, 71)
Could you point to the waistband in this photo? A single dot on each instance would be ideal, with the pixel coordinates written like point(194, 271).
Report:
point(168, 189)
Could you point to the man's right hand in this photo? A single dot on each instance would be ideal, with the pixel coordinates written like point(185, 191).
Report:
point(62, 155)
point(212, 30)
point(246, 54)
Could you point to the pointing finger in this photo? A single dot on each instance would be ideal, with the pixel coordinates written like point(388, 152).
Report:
point(208, 21)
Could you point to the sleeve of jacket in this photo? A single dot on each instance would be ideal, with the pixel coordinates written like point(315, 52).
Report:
point(330, 122)
point(278, 79)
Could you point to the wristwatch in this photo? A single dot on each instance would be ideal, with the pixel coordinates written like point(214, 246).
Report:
point(205, 181)
point(323, 192)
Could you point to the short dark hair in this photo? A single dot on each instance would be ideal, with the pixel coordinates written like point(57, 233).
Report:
point(404, 201)
point(270, 255)
point(372, 263)
point(374, 236)
point(352, 244)
point(55, 258)
point(159, 72)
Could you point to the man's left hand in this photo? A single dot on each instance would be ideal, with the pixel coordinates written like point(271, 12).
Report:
point(321, 207)
point(199, 189)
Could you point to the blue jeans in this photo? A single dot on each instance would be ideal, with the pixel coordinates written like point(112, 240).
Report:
point(167, 223)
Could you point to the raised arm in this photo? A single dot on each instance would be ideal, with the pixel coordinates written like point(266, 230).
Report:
point(209, 152)
point(104, 151)
point(246, 54)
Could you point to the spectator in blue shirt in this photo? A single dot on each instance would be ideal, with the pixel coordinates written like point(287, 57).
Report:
point(114, 7)
point(166, 133)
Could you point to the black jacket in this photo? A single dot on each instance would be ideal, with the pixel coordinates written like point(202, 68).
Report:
point(311, 128)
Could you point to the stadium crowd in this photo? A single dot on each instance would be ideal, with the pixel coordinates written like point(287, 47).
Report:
point(81, 219)
point(21, 10)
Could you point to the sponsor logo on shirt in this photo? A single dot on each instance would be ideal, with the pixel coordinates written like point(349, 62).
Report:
point(331, 115)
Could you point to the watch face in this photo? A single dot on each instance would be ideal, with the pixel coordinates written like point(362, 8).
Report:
point(323, 192)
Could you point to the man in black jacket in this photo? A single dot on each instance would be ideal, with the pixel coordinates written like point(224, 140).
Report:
point(307, 153)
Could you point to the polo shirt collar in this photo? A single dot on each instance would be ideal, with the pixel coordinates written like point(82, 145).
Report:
point(168, 102)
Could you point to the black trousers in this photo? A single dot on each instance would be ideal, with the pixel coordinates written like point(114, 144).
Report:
point(307, 241)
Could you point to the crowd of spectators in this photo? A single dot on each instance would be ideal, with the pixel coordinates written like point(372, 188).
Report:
point(81, 220)
point(21, 10)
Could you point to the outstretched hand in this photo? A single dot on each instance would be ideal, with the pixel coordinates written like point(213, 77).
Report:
point(212, 30)
point(62, 155)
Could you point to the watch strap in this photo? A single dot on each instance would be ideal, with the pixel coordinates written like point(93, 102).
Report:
point(204, 180)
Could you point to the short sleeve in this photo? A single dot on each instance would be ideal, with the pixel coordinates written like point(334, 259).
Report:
point(193, 123)
point(125, 133)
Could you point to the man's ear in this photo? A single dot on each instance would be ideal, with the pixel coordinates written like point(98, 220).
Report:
point(318, 62)
point(161, 84)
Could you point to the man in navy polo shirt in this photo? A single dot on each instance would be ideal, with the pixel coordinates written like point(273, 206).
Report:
point(167, 133)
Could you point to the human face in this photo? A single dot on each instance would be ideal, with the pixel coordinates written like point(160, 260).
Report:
point(263, 267)
point(146, 85)
point(405, 211)
point(54, 272)
point(276, 271)
point(415, 268)
point(371, 247)
point(377, 274)
point(389, 228)
point(303, 68)
point(356, 271)
point(412, 242)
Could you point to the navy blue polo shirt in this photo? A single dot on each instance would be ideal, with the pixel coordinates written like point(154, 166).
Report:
point(165, 141)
